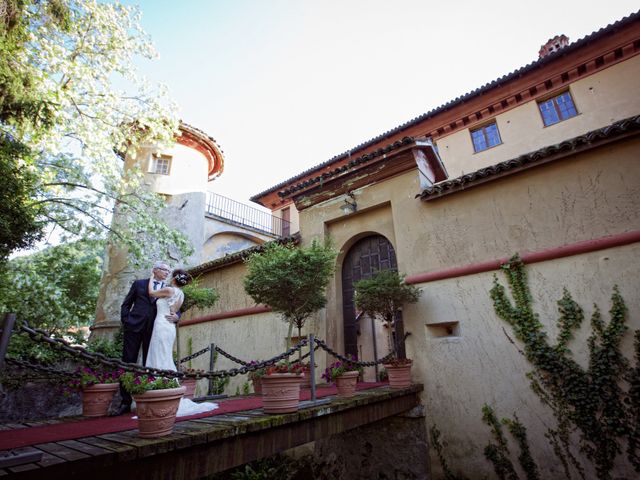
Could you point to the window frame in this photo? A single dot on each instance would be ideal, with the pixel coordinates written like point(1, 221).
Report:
point(482, 128)
point(157, 160)
point(286, 227)
point(556, 107)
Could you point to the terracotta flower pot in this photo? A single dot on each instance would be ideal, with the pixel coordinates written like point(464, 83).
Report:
point(399, 375)
point(346, 384)
point(97, 398)
point(190, 384)
point(257, 385)
point(280, 392)
point(157, 410)
point(305, 380)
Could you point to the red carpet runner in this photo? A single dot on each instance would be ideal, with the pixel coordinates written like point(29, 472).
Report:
point(71, 430)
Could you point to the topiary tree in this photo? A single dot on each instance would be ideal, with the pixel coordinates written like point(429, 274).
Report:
point(197, 296)
point(291, 280)
point(383, 295)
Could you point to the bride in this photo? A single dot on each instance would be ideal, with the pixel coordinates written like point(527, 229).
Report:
point(163, 336)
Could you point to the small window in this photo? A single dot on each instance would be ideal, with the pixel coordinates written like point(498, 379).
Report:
point(160, 164)
point(485, 137)
point(557, 109)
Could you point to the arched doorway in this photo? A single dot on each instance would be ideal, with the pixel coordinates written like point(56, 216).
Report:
point(367, 256)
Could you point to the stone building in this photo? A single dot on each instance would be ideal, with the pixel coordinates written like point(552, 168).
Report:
point(543, 162)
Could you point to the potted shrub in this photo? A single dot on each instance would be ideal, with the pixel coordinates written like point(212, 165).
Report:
point(256, 376)
point(157, 401)
point(344, 375)
point(291, 280)
point(97, 390)
point(190, 383)
point(281, 387)
point(382, 296)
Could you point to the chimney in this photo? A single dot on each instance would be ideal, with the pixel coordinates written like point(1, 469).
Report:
point(553, 45)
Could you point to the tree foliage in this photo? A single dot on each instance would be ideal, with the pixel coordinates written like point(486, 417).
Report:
point(291, 280)
point(19, 225)
point(70, 98)
point(196, 296)
point(384, 294)
point(56, 288)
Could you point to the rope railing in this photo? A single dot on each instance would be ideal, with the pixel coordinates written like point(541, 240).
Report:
point(83, 354)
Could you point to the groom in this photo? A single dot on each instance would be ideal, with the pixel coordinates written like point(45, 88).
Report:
point(137, 313)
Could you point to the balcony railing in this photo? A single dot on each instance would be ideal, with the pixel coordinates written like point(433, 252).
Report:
point(243, 215)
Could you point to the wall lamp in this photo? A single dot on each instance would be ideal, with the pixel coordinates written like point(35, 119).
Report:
point(349, 206)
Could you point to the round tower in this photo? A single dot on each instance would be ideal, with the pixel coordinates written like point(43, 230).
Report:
point(181, 174)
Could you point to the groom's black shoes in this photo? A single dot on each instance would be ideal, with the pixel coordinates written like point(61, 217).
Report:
point(121, 410)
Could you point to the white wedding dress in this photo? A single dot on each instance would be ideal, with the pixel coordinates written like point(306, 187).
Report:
point(160, 353)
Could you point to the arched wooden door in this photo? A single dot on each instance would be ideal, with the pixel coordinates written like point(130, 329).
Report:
point(364, 258)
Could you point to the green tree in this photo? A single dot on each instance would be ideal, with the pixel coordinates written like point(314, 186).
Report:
point(56, 288)
point(70, 97)
point(291, 280)
point(196, 296)
point(383, 295)
point(19, 227)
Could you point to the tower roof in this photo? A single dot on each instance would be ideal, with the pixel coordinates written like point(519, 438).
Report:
point(195, 138)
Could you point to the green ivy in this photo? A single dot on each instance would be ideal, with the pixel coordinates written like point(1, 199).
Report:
point(592, 401)
point(498, 453)
point(439, 447)
point(633, 407)
point(519, 432)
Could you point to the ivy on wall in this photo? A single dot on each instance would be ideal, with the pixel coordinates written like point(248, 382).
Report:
point(599, 403)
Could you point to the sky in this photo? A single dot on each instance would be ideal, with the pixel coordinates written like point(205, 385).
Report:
point(283, 85)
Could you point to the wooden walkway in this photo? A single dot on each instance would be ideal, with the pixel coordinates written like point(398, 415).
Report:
point(205, 446)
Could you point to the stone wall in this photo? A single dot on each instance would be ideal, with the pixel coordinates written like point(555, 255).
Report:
point(394, 448)
point(36, 400)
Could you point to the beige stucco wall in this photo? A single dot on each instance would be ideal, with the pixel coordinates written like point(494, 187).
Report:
point(589, 196)
point(255, 337)
point(249, 337)
point(224, 243)
point(481, 366)
point(600, 99)
point(294, 217)
point(585, 197)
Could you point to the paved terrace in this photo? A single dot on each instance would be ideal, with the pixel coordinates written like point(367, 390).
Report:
point(204, 446)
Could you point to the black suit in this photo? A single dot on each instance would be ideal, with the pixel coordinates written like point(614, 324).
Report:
point(138, 313)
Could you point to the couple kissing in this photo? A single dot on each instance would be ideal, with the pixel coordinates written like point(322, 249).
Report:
point(149, 314)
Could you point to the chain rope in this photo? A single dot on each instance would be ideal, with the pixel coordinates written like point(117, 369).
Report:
point(335, 354)
point(231, 357)
point(80, 353)
point(194, 355)
point(39, 368)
